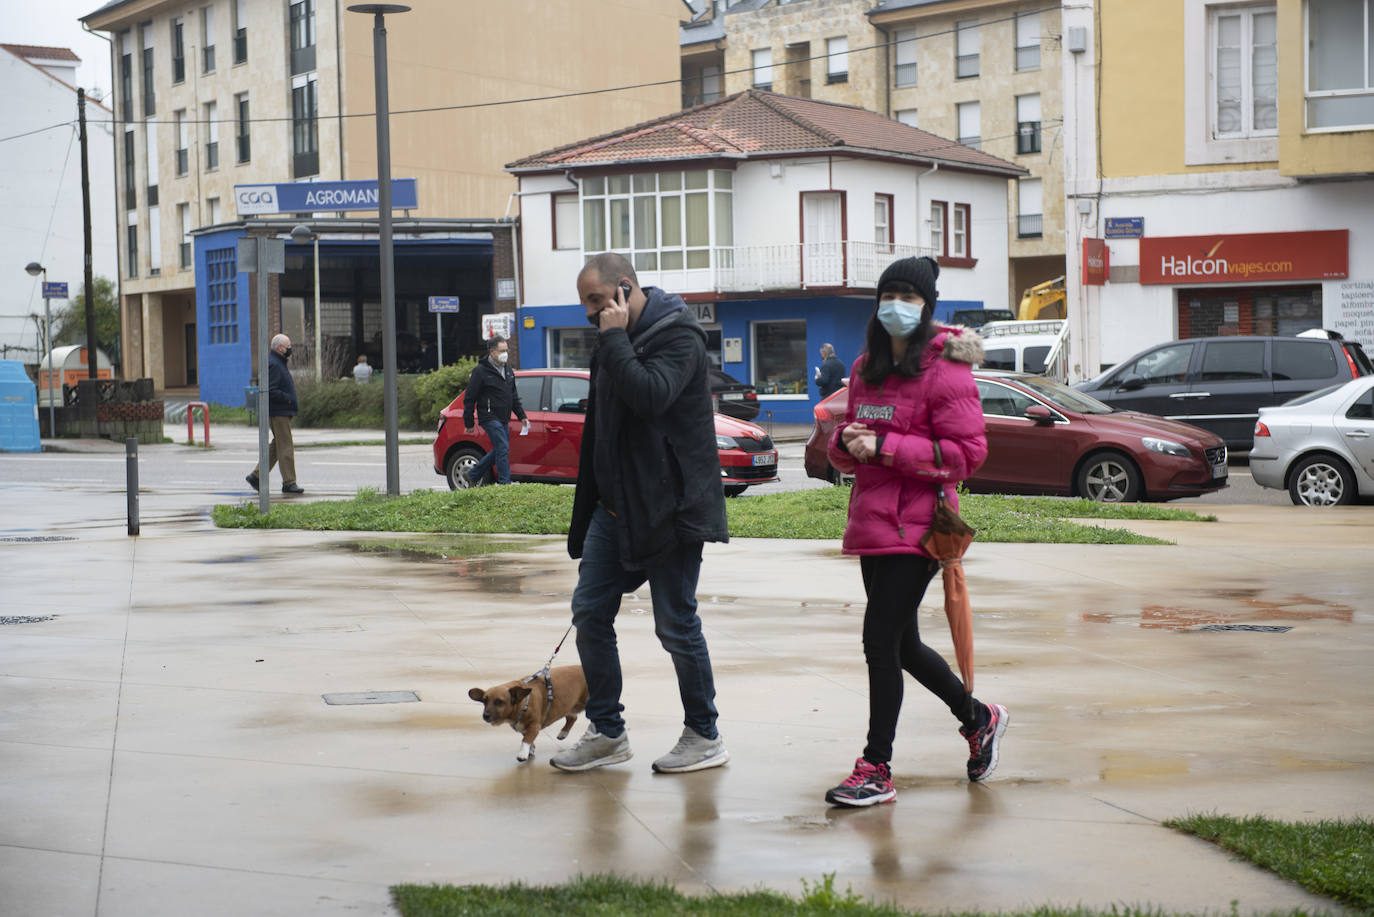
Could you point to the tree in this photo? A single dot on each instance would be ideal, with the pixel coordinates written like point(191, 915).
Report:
point(70, 323)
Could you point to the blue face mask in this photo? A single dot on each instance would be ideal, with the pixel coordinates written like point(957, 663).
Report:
point(899, 318)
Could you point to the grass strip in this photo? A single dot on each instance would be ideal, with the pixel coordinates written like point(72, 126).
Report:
point(1332, 858)
point(545, 509)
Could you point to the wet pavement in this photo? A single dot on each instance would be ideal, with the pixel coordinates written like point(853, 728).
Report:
point(166, 748)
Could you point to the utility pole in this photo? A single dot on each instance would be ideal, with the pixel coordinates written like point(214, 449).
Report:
point(86, 228)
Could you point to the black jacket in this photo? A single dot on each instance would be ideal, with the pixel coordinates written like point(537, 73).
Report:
point(831, 376)
point(491, 394)
point(649, 443)
point(281, 388)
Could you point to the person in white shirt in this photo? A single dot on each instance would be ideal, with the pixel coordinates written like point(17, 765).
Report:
point(362, 373)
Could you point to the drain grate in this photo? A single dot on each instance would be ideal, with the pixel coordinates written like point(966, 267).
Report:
point(35, 539)
point(371, 697)
point(24, 619)
point(1253, 628)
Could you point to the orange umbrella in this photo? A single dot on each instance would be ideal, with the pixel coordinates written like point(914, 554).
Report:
point(946, 540)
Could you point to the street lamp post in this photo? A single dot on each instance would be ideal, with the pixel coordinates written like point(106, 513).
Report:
point(301, 234)
point(33, 269)
point(388, 280)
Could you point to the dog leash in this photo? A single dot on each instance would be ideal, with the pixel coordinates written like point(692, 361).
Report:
point(544, 673)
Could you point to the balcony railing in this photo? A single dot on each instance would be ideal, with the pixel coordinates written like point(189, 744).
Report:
point(1030, 225)
point(788, 266)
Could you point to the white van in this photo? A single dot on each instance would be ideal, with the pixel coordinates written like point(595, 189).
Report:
point(1020, 346)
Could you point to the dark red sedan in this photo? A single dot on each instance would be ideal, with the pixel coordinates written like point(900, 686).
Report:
point(1046, 438)
point(555, 401)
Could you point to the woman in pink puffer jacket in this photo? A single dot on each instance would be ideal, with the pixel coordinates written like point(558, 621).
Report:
point(914, 425)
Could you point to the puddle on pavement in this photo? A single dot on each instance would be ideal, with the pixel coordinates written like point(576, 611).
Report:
point(1235, 607)
point(1131, 766)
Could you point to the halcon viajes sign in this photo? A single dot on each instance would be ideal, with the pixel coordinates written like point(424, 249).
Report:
point(1246, 257)
point(315, 196)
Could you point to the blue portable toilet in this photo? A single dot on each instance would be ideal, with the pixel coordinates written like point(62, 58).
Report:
point(18, 409)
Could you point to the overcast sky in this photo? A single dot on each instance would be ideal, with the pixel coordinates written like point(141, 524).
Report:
point(55, 22)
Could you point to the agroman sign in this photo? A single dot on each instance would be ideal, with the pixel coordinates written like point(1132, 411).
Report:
point(316, 196)
point(1246, 257)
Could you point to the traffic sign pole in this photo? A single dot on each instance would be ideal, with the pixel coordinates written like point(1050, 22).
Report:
point(439, 335)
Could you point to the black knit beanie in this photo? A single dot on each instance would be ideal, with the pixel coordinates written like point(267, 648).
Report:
point(919, 272)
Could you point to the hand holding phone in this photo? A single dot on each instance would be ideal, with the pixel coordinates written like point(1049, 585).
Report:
point(617, 311)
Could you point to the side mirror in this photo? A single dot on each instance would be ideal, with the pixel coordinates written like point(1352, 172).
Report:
point(1040, 414)
point(1131, 383)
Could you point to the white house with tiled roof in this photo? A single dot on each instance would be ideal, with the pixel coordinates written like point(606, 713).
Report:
point(773, 216)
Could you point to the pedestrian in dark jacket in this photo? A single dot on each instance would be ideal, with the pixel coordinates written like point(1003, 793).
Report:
point(490, 398)
point(648, 496)
point(281, 407)
point(830, 374)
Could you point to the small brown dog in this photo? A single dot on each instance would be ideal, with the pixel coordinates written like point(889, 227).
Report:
point(525, 704)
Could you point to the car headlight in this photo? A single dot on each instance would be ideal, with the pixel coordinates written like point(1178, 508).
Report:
point(724, 442)
point(1166, 446)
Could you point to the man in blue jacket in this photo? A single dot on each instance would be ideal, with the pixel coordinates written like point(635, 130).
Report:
point(490, 399)
point(281, 407)
point(648, 496)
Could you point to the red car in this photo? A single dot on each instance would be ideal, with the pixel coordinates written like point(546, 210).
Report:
point(1046, 438)
point(555, 401)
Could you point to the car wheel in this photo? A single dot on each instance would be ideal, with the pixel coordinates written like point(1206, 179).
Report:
point(1109, 477)
point(1321, 480)
point(460, 462)
point(734, 490)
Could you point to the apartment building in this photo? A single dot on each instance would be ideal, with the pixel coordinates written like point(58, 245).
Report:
point(218, 94)
point(985, 73)
point(1227, 185)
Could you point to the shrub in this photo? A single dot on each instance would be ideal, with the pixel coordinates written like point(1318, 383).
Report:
point(434, 391)
point(345, 403)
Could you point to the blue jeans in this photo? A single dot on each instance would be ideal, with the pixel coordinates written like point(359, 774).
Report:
point(601, 581)
point(499, 433)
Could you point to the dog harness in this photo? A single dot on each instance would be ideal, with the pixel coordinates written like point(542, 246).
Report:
point(548, 690)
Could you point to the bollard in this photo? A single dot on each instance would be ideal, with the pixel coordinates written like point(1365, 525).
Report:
point(131, 481)
point(190, 422)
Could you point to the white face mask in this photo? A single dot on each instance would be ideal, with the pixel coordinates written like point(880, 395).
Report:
point(502, 357)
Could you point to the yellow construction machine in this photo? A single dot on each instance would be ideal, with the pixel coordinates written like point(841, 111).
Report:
point(1044, 301)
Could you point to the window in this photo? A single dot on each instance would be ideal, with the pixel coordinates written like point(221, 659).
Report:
point(131, 244)
point(961, 234)
point(211, 118)
point(1002, 400)
point(970, 127)
point(571, 348)
point(302, 36)
point(1028, 41)
point(304, 127)
point(907, 116)
point(1340, 63)
point(763, 68)
point(837, 60)
point(240, 31)
point(669, 221)
point(1303, 360)
point(710, 83)
point(905, 74)
point(530, 390)
point(245, 142)
point(184, 219)
point(565, 231)
point(154, 242)
point(130, 189)
point(126, 78)
point(569, 394)
point(997, 358)
point(207, 38)
point(145, 32)
point(179, 120)
point(214, 211)
point(150, 159)
point(1030, 215)
point(221, 295)
point(882, 221)
point(1363, 409)
point(1167, 365)
point(780, 357)
point(1028, 123)
point(178, 50)
point(1244, 72)
point(937, 227)
point(1233, 361)
point(966, 47)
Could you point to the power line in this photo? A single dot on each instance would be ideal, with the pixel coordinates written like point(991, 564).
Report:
point(40, 130)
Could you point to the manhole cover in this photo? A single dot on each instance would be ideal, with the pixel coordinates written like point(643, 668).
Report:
point(372, 697)
point(24, 619)
point(32, 539)
point(1254, 628)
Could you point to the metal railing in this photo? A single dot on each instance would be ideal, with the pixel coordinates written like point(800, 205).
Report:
point(785, 266)
point(1029, 225)
point(1057, 363)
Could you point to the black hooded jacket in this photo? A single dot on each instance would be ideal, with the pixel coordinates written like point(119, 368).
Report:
point(649, 444)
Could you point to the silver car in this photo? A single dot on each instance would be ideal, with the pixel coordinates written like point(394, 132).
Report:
point(1320, 446)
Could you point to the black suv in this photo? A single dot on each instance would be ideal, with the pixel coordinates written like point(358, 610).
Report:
point(1220, 383)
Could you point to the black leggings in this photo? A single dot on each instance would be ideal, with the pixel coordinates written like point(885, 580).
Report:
point(895, 584)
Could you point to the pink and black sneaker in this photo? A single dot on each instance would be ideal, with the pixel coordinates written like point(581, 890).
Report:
point(869, 785)
point(983, 742)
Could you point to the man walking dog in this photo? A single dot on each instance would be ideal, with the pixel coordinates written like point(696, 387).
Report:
point(648, 496)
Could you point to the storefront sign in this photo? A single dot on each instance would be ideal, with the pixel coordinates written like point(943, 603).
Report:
point(1246, 257)
point(1125, 227)
point(1095, 260)
point(705, 312)
point(315, 196)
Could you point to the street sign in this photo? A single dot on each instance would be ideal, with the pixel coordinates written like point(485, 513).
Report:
point(54, 290)
point(443, 304)
point(316, 196)
point(1125, 227)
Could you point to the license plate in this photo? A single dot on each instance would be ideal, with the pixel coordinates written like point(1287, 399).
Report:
point(733, 396)
point(765, 459)
point(1219, 470)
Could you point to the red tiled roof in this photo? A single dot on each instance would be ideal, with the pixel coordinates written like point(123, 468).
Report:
point(41, 52)
point(755, 124)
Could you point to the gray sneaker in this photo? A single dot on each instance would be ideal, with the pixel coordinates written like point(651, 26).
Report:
point(594, 750)
point(693, 752)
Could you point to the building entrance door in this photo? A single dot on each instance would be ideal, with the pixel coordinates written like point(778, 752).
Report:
point(191, 354)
